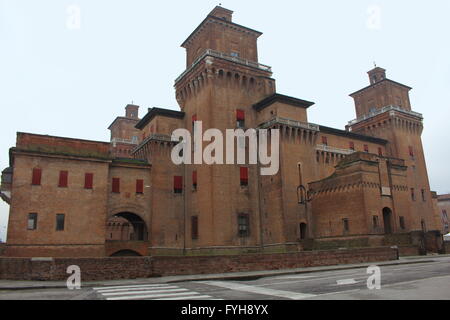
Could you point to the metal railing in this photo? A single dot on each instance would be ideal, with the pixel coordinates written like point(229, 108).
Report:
point(221, 55)
point(322, 147)
point(290, 123)
point(383, 110)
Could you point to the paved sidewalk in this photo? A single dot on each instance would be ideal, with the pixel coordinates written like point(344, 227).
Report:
point(30, 285)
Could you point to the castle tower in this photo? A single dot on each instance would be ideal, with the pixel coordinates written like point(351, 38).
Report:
point(222, 82)
point(384, 110)
point(124, 135)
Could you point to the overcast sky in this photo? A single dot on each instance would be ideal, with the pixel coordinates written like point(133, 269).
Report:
point(64, 76)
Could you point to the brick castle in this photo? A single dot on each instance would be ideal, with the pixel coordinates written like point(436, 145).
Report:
point(363, 186)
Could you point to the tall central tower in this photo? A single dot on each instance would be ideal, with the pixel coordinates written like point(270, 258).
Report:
point(222, 82)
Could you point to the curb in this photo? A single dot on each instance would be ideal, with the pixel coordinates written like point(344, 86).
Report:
point(263, 274)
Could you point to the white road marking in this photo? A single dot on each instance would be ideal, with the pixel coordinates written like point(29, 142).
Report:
point(149, 292)
point(188, 298)
point(258, 290)
point(133, 286)
point(135, 289)
point(152, 296)
point(346, 282)
point(130, 293)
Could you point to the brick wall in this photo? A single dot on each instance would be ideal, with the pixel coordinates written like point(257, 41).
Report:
point(447, 247)
point(144, 267)
point(2, 248)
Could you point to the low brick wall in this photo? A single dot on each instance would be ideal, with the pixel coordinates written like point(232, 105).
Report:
point(91, 268)
point(408, 251)
point(165, 266)
point(145, 267)
point(447, 247)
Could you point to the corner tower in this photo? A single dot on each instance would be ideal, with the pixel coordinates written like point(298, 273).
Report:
point(383, 110)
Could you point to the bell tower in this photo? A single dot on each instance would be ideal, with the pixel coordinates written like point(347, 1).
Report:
point(383, 110)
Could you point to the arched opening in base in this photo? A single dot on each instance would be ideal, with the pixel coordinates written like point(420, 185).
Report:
point(126, 226)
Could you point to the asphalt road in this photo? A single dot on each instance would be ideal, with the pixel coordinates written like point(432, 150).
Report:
point(423, 281)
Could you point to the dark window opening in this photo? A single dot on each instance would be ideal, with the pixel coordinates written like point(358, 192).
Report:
point(402, 223)
point(376, 222)
point(194, 180)
point(303, 231)
point(32, 221)
point(243, 225)
point(194, 228)
point(346, 223)
point(60, 222)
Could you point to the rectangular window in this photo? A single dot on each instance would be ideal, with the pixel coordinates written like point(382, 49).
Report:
point(140, 186)
point(194, 180)
point(423, 196)
point(375, 221)
point(240, 119)
point(402, 223)
point(178, 184)
point(413, 194)
point(380, 152)
point(352, 146)
point(325, 141)
point(366, 148)
point(63, 179)
point(60, 222)
point(194, 228)
point(346, 225)
point(116, 185)
point(36, 179)
point(32, 221)
point(243, 225)
point(88, 180)
point(411, 151)
point(244, 176)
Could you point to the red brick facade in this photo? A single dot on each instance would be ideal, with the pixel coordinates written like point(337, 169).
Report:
point(367, 181)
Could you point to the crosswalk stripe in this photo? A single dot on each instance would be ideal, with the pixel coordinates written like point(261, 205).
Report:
point(135, 289)
point(133, 286)
point(130, 293)
point(150, 296)
point(188, 298)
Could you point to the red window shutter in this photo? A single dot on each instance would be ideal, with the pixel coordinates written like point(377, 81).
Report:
point(178, 183)
point(36, 179)
point(88, 180)
point(194, 178)
point(411, 151)
point(366, 148)
point(325, 141)
point(352, 146)
point(240, 115)
point(380, 152)
point(116, 185)
point(63, 179)
point(194, 118)
point(139, 186)
point(244, 175)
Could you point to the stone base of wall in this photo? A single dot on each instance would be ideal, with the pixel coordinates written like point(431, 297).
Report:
point(145, 267)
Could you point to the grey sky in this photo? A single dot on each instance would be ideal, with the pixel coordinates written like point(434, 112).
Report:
point(60, 80)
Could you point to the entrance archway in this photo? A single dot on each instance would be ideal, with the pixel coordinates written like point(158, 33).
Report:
point(387, 219)
point(126, 253)
point(126, 226)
